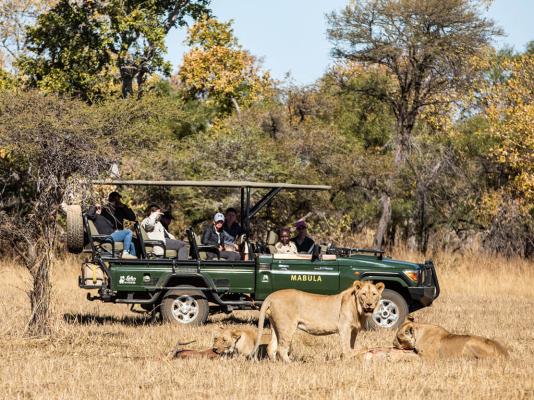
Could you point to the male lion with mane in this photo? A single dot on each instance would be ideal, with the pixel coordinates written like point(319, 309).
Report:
point(344, 313)
point(433, 341)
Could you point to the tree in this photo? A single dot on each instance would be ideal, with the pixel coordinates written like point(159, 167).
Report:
point(15, 17)
point(79, 47)
point(45, 144)
point(425, 47)
point(510, 113)
point(218, 70)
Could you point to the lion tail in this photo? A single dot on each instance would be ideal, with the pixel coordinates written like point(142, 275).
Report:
point(261, 320)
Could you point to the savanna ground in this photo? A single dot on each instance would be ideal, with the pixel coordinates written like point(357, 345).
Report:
point(103, 351)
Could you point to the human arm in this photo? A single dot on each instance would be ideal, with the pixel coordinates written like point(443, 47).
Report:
point(91, 213)
point(309, 243)
point(149, 223)
point(127, 212)
point(206, 238)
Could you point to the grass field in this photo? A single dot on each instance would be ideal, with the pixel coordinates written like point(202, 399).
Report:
point(103, 351)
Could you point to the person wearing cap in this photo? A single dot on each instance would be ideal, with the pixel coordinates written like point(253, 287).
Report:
point(116, 211)
point(303, 242)
point(215, 235)
point(285, 246)
point(155, 230)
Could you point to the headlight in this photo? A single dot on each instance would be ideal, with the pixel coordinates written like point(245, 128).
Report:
point(412, 275)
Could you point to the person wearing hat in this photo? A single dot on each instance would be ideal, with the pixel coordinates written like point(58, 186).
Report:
point(116, 211)
point(155, 230)
point(215, 235)
point(303, 242)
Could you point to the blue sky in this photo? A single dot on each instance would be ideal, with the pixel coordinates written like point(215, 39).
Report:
point(290, 35)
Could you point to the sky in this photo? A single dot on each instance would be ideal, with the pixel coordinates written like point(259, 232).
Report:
point(289, 36)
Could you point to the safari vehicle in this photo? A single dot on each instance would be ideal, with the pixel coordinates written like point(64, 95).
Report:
point(186, 291)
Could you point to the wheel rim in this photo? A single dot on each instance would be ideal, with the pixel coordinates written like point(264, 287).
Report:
point(185, 309)
point(387, 314)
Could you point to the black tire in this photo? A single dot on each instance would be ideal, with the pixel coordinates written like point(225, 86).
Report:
point(393, 316)
point(174, 307)
point(74, 229)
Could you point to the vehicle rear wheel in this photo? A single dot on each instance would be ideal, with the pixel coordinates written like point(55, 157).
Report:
point(185, 307)
point(391, 312)
point(74, 229)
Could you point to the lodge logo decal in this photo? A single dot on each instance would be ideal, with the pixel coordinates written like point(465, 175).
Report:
point(306, 278)
point(127, 280)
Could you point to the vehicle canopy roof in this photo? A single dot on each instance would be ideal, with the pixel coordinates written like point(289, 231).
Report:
point(228, 184)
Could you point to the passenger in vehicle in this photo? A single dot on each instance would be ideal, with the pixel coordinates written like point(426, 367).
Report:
point(166, 219)
point(303, 242)
point(285, 245)
point(215, 235)
point(106, 227)
point(116, 211)
point(231, 226)
point(156, 231)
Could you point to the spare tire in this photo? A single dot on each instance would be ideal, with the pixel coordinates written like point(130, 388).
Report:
point(74, 229)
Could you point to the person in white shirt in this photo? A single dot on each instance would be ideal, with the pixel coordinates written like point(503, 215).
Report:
point(285, 246)
point(156, 231)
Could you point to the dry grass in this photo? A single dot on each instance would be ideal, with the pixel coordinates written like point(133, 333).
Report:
point(105, 351)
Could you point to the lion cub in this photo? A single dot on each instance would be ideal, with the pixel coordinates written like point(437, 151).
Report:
point(433, 341)
point(238, 341)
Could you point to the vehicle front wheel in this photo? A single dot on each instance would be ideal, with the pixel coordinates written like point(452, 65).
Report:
point(185, 307)
point(391, 312)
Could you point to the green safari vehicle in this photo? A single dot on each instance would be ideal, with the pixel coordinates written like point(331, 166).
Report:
point(187, 291)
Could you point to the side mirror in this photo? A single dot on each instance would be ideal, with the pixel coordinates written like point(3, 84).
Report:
point(316, 252)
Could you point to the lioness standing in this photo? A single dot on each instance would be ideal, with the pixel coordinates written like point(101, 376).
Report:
point(344, 313)
point(433, 341)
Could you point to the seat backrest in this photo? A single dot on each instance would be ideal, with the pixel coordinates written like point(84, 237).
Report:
point(92, 227)
point(272, 239)
point(139, 233)
point(202, 254)
point(144, 235)
point(193, 246)
point(148, 249)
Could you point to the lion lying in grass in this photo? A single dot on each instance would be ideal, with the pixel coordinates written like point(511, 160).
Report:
point(239, 341)
point(344, 313)
point(227, 342)
point(432, 341)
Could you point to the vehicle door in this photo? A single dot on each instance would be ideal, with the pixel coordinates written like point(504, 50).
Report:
point(300, 272)
point(232, 276)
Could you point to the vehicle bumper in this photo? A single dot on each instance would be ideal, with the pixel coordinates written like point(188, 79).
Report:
point(428, 289)
point(423, 295)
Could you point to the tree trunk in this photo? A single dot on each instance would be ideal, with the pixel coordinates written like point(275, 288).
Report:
point(141, 78)
point(236, 106)
point(39, 323)
point(385, 219)
point(402, 150)
point(422, 232)
point(128, 73)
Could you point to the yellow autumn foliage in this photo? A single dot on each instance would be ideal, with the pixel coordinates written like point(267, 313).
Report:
point(510, 112)
point(218, 70)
